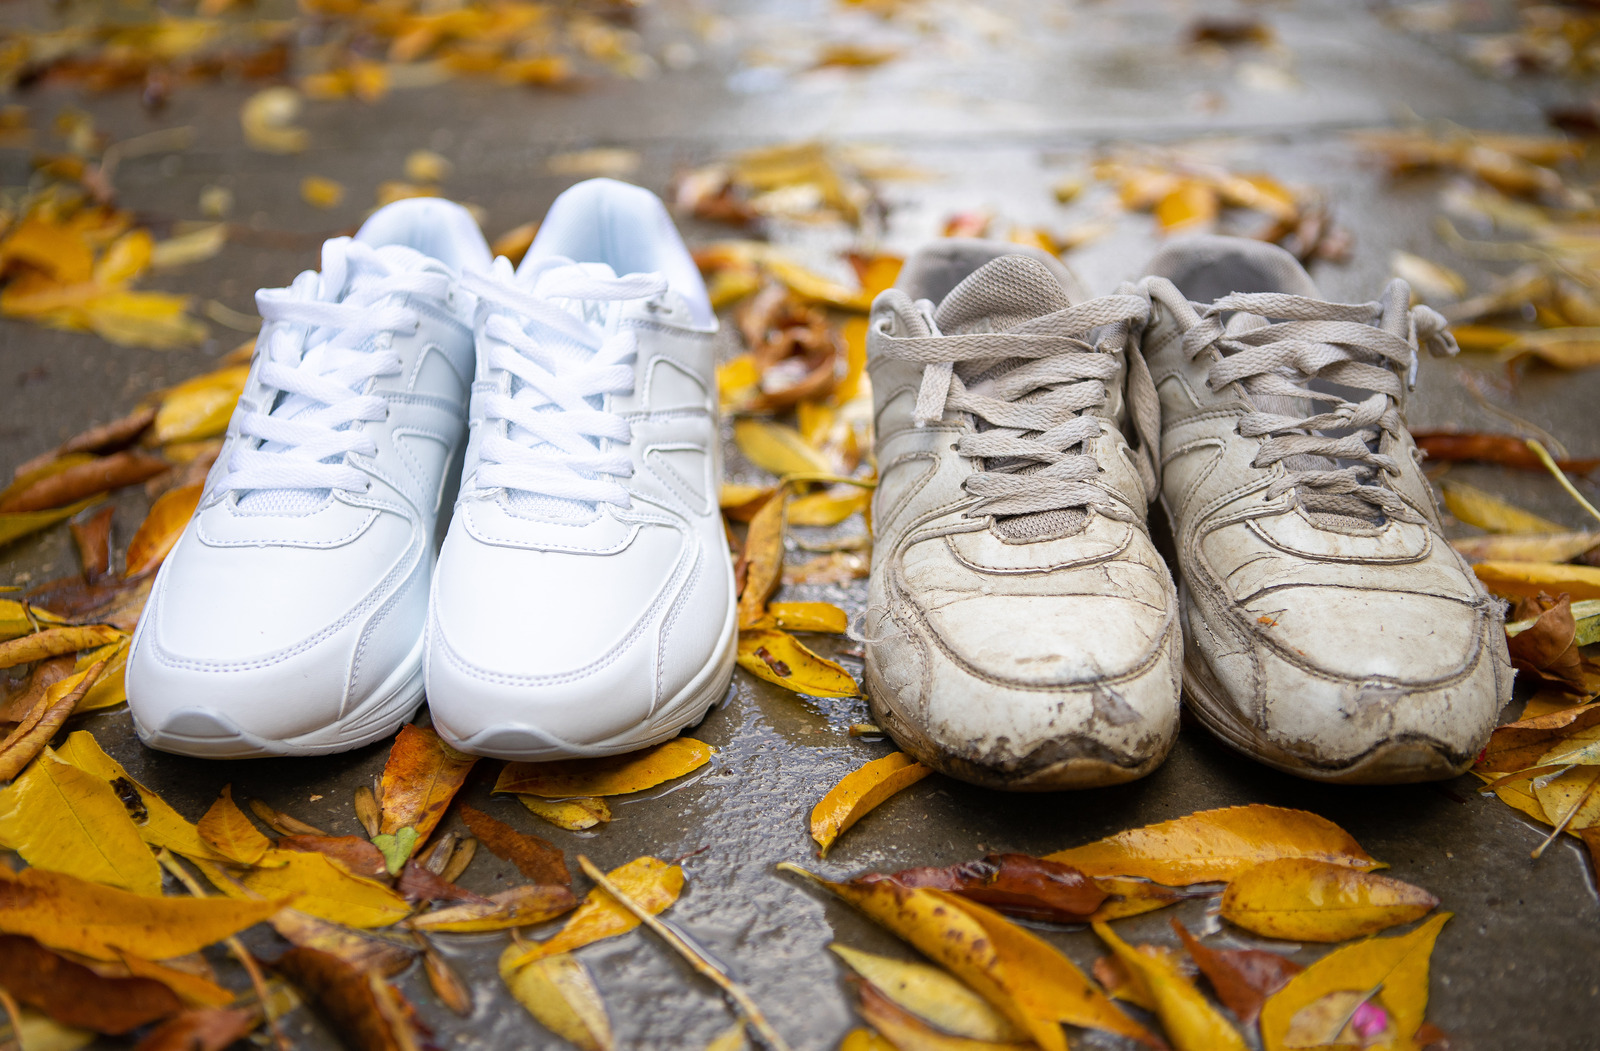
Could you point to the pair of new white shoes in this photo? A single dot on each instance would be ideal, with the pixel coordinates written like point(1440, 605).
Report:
point(582, 602)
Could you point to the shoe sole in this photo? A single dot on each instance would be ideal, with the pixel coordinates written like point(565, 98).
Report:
point(400, 697)
point(1404, 760)
point(521, 743)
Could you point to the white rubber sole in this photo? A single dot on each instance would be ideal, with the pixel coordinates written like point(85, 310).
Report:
point(524, 743)
point(206, 733)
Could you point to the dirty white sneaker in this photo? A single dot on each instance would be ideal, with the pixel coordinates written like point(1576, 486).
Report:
point(1331, 631)
point(1021, 628)
point(288, 619)
point(584, 600)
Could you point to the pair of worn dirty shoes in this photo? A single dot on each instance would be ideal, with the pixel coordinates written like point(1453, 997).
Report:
point(582, 602)
point(1022, 630)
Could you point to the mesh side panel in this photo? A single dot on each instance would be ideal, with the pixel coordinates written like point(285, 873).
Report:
point(1042, 525)
point(537, 505)
point(283, 501)
point(1340, 522)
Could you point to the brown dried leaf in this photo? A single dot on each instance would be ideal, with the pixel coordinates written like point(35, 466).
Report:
point(1241, 978)
point(444, 981)
point(81, 480)
point(1548, 651)
point(1521, 744)
point(36, 729)
point(535, 858)
point(354, 853)
point(363, 950)
point(517, 907)
point(420, 778)
point(45, 674)
point(1017, 885)
point(419, 884)
point(75, 995)
point(362, 1008)
point(281, 823)
point(1506, 449)
point(92, 537)
point(202, 1029)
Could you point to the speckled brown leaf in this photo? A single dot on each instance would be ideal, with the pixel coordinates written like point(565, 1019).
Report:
point(366, 1011)
point(202, 1029)
point(1241, 978)
point(75, 995)
point(535, 858)
point(1017, 885)
point(420, 778)
point(354, 853)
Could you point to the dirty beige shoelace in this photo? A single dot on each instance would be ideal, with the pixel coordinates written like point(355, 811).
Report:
point(1036, 411)
point(1306, 339)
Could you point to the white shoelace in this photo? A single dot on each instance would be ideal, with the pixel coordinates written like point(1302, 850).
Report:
point(555, 441)
point(331, 336)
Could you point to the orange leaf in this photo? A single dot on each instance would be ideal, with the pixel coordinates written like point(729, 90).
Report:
point(420, 778)
point(161, 528)
point(859, 792)
point(608, 776)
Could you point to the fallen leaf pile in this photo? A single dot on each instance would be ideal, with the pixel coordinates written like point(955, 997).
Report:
point(1283, 874)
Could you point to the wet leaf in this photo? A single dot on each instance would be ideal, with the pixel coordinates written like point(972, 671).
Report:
point(158, 823)
point(1332, 1020)
point(1298, 899)
point(161, 528)
point(444, 981)
point(1528, 579)
point(860, 791)
point(784, 660)
point(202, 1029)
point(864, 1040)
point(100, 922)
point(420, 778)
point(38, 726)
point(45, 674)
point(776, 448)
point(324, 888)
point(52, 642)
point(200, 408)
point(762, 559)
point(1491, 514)
point(75, 995)
point(90, 478)
point(608, 776)
point(267, 118)
point(652, 884)
point(366, 1011)
point(20, 524)
point(1241, 978)
point(574, 815)
point(1191, 1023)
point(354, 853)
point(535, 858)
point(558, 991)
point(1522, 744)
point(1017, 885)
point(361, 949)
point(1506, 449)
point(1547, 650)
point(906, 1032)
point(418, 884)
point(1217, 845)
point(59, 818)
point(932, 995)
point(1397, 967)
point(1133, 897)
point(1025, 978)
point(321, 192)
point(228, 832)
point(1526, 547)
point(518, 907)
point(809, 616)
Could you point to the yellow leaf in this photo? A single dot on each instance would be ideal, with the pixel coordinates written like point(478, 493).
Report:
point(779, 449)
point(1564, 348)
point(40, 723)
point(763, 558)
point(1189, 205)
point(1396, 967)
point(68, 913)
point(227, 831)
point(17, 524)
point(143, 319)
point(932, 995)
point(515, 242)
point(322, 887)
point(1572, 793)
point(651, 883)
point(1025, 978)
point(1432, 281)
point(906, 1031)
point(160, 530)
point(420, 777)
point(426, 166)
point(1527, 579)
point(864, 1039)
point(571, 814)
point(809, 616)
point(393, 190)
point(728, 286)
point(110, 688)
point(158, 824)
point(321, 192)
point(812, 286)
point(1492, 514)
point(829, 507)
point(782, 659)
point(1191, 1023)
point(267, 118)
point(125, 258)
point(196, 246)
point(1217, 845)
point(53, 642)
point(200, 407)
point(859, 792)
point(1132, 897)
point(59, 818)
point(607, 162)
point(1298, 899)
point(518, 907)
point(737, 375)
point(1526, 547)
point(742, 502)
point(558, 991)
point(615, 775)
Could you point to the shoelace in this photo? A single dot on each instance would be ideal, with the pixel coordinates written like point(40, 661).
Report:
point(329, 340)
point(1036, 412)
point(1305, 340)
point(553, 444)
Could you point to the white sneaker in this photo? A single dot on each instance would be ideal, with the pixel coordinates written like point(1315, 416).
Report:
point(584, 600)
point(288, 620)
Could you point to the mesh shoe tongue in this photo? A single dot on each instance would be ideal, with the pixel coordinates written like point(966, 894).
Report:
point(997, 297)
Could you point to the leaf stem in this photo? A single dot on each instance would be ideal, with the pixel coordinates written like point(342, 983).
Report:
point(1561, 476)
point(1565, 821)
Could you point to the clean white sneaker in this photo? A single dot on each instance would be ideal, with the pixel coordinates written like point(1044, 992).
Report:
point(584, 601)
point(288, 620)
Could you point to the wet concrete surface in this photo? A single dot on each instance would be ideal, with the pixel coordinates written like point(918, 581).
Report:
point(995, 104)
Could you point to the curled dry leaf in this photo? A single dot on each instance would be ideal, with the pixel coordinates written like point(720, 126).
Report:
point(609, 776)
point(228, 832)
point(59, 818)
point(651, 883)
point(784, 660)
point(809, 616)
point(558, 991)
point(460, 858)
point(574, 815)
point(762, 560)
point(360, 949)
point(354, 853)
point(932, 995)
point(1025, 978)
point(444, 981)
point(366, 804)
point(1241, 978)
point(362, 1008)
point(45, 674)
point(1191, 1023)
point(320, 886)
point(859, 792)
point(1506, 449)
point(39, 725)
point(1492, 514)
point(75, 995)
point(535, 858)
point(904, 1030)
point(417, 883)
point(267, 118)
point(84, 479)
point(1217, 845)
point(161, 528)
point(100, 922)
point(1522, 744)
point(1528, 579)
point(1547, 650)
point(202, 1029)
point(53, 642)
point(1134, 897)
point(517, 907)
point(158, 823)
point(1017, 885)
point(1299, 899)
point(1396, 967)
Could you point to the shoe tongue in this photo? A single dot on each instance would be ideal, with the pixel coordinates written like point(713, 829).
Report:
point(1000, 295)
